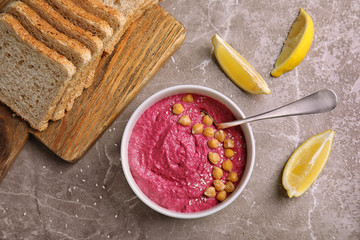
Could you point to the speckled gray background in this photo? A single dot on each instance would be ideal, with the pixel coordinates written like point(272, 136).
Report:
point(43, 197)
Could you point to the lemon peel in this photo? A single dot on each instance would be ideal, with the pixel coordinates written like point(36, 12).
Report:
point(237, 68)
point(306, 163)
point(296, 46)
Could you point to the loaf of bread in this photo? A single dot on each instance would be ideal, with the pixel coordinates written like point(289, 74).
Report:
point(36, 78)
point(66, 40)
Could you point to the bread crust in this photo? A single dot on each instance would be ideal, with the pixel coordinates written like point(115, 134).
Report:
point(115, 19)
point(53, 17)
point(44, 32)
point(79, 16)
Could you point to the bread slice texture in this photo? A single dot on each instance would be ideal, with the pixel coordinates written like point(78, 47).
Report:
point(25, 66)
point(70, 48)
point(115, 19)
point(55, 19)
point(92, 42)
point(44, 32)
point(78, 16)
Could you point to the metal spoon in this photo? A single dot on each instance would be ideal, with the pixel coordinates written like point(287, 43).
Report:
point(318, 102)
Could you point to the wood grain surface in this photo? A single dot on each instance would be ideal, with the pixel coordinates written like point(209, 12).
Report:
point(141, 52)
point(13, 136)
point(3, 3)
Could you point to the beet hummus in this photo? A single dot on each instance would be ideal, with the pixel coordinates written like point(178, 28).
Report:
point(170, 163)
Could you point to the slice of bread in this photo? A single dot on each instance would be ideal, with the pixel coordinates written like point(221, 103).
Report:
point(73, 50)
point(115, 19)
point(33, 77)
point(78, 16)
point(53, 17)
point(70, 48)
point(92, 42)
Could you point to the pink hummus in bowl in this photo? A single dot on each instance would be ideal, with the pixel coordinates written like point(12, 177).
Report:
point(167, 164)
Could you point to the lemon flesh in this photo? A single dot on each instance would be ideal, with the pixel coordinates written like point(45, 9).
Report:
point(306, 163)
point(296, 46)
point(237, 68)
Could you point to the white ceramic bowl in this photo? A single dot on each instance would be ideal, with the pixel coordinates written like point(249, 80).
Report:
point(249, 139)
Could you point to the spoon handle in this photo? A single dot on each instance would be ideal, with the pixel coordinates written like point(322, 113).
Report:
point(318, 102)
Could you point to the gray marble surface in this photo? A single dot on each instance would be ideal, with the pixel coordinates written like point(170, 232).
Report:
point(43, 197)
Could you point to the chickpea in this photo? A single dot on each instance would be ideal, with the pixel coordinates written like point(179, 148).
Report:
point(227, 165)
point(228, 143)
point(221, 196)
point(208, 132)
point(229, 153)
point(219, 185)
point(197, 128)
point(177, 109)
point(213, 143)
point(217, 173)
point(220, 135)
point(229, 187)
point(207, 120)
point(233, 177)
point(184, 120)
point(188, 98)
point(214, 158)
point(210, 192)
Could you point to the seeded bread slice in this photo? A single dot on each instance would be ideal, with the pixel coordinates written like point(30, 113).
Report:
point(78, 16)
point(115, 19)
point(25, 67)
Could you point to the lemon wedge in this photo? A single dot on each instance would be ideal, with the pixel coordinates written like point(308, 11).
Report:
point(306, 163)
point(237, 68)
point(296, 46)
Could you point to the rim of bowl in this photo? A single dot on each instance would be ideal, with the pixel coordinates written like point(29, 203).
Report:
point(195, 89)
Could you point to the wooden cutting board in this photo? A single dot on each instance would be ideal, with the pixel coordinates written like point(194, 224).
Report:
point(141, 52)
